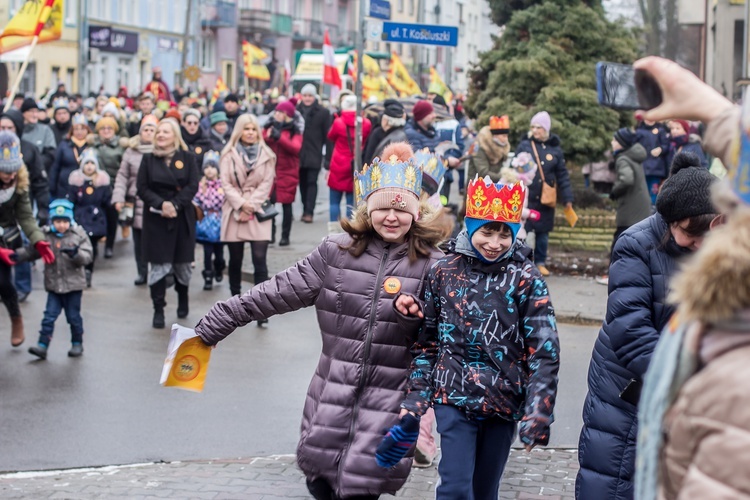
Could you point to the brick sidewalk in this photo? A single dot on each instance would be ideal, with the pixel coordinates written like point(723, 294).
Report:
point(543, 474)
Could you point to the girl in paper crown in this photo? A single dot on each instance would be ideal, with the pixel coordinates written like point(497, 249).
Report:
point(352, 278)
point(522, 169)
point(488, 354)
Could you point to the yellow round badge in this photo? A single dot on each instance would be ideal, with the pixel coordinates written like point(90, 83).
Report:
point(198, 150)
point(392, 286)
point(186, 368)
point(655, 131)
point(549, 157)
point(179, 165)
point(89, 190)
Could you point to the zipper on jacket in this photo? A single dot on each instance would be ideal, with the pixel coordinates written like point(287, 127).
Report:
point(368, 343)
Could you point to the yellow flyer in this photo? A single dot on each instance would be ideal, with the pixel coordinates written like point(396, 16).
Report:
point(571, 216)
point(187, 360)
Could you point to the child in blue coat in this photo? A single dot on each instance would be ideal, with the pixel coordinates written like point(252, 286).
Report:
point(487, 356)
point(210, 199)
point(89, 190)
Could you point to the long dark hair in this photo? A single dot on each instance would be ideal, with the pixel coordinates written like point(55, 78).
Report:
point(698, 225)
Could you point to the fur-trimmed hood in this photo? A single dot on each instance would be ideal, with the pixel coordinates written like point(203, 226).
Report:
point(78, 179)
point(494, 151)
point(713, 285)
point(22, 179)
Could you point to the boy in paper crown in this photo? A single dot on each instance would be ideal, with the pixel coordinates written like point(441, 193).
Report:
point(64, 279)
point(487, 356)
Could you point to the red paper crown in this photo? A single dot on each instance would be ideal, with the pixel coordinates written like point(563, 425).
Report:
point(500, 125)
point(486, 200)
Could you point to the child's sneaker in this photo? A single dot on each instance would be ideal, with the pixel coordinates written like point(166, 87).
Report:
point(39, 350)
point(76, 350)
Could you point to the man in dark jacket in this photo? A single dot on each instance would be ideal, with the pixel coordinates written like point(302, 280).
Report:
point(232, 109)
point(61, 116)
point(38, 134)
point(390, 130)
point(419, 130)
point(317, 122)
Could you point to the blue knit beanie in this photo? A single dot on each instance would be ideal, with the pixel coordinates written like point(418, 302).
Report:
point(10, 152)
point(61, 209)
point(473, 225)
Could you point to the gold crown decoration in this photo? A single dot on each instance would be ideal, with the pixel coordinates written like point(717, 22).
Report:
point(496, 202)
point(387, 174)
point(500, 124)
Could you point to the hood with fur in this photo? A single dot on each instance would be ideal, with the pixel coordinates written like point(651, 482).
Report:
point(77, 178)
point(494, 151)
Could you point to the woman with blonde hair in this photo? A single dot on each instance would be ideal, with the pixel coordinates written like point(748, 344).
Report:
point(167, 182)
point(247, 168)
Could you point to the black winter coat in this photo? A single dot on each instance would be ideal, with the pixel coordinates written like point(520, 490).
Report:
point(91, 199)
point(555, 174)
point(65, 163)
point(168, 241)
point(379, 139)
point(317, 123)
point(637, 311)
point(198, 144)
point(656, 136)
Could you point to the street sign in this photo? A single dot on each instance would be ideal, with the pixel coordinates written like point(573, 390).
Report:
point(374, 29)
point(380, 9)
point(420, 33)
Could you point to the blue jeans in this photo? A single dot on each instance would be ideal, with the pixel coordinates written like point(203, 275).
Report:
point(56, 303)
point(22, 277)
point(474, 454)
point(540, 252)
point(653, 182)
point(335, 204)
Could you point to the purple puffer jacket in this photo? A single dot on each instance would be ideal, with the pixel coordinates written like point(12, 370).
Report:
point(361, 377)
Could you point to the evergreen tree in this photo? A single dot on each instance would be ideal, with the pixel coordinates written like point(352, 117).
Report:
point(545, 60)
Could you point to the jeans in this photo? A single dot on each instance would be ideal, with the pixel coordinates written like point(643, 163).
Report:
point(474, 454)
point(540, 252)
point(22, 272)
point(308, 189)
point(259, 251)
point(56, 303)
point(335, 205)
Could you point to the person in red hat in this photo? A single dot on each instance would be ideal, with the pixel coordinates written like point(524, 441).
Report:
point(419, 130)
point(682, 140)
point(285, 139)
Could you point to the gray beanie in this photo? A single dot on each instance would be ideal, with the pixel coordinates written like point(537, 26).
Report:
point(309, 89)
point(10, 152)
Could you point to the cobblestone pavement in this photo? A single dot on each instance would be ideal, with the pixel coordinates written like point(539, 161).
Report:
point(543, 474)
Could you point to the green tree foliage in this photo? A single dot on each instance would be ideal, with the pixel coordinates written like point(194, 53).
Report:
point(545, 60)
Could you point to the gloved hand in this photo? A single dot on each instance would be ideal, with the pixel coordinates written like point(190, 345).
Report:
point(70, 251)
point(534, 215)
point(8, 256)
point(276, 133)
point(397, 441)
point(534, 430)
point(45, 251)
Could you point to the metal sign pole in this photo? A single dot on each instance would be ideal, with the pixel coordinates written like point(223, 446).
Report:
point(360, 48)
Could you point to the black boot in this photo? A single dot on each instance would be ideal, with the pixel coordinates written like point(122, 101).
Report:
point(260, 278)
point(182, 300)
point(219, 266)
point(158, 292)
point(208, 280)
point(142, 278)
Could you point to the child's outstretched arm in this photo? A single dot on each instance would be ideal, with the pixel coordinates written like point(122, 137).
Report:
point(543, 361)
point(289, 290)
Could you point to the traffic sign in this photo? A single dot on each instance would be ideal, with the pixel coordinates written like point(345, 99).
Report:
point(420, 33)
point(380, 9)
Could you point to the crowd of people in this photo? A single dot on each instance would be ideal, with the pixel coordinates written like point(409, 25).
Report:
point(410, 334)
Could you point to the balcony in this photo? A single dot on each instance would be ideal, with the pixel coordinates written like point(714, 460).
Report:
point(310, 30)
point(264, 21)
point(218, 14)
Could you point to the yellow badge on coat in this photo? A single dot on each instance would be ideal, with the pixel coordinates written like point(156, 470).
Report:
point(179, 165)
point(89, 190)
point(549, 157)
point(655, 131)
point(392, 286)
point(198, 150)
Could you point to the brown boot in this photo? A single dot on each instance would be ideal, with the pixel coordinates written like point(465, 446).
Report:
point(16, 336)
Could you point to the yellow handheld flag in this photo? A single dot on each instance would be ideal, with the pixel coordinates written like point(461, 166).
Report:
point(400, 79)
point(438, 86)
point(252, 57)
point(187, 360)
point(33, 18)
point(218, 89)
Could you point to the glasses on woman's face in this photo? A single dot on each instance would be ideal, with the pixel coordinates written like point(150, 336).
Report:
point(191, 123)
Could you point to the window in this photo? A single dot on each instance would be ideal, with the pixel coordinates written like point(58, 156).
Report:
point(103, 71)
point(400, 5)
point(461, 13)
point(54, 77)
point(268, 5)
point(411, 7)
point(70, 14)
point(70, 76)
point(123, 72)
point(317, 10)
point(124, 13)
point(207, 54)
point(299, 8)
point(28, 80)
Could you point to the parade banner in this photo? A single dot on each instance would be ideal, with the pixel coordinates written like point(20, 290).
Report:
point(33, 19)
point(438, 85)
point(400, 79)
point(331, 74)
point(252, 57)
point(218, 89)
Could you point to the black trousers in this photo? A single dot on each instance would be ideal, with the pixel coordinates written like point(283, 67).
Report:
point(141, 266)
point(308, 189)
point(259, 251)
point(8, 291)
point(286, 221)
point(321, 490)
point(112, 218)
point(95, 251)
point(213, 256)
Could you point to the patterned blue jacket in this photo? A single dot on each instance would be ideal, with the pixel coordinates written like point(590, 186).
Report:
point(489, 341)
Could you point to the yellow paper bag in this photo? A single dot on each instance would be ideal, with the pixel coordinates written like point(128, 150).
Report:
point(571, 216)
point(187, 360)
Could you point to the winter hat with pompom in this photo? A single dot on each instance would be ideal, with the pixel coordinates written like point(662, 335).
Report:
point(687, 191)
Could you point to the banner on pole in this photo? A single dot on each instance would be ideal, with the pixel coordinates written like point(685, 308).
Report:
point(252, 57)
point(33, 18)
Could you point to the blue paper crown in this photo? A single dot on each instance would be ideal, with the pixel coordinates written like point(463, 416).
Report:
point(387, 174)
point(60, 103)
point(11, 150)
point(79, 119)
point(211, 157)
point(432, 167)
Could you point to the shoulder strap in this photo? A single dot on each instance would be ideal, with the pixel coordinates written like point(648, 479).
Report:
point(349, 139)
point(538, 163)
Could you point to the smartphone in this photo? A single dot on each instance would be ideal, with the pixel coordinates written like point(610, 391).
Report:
point(621, 86)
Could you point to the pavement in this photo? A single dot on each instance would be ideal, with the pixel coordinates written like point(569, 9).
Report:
point(547, 473)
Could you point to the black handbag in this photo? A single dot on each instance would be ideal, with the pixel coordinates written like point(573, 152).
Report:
point(268, 211)
point(10, 237)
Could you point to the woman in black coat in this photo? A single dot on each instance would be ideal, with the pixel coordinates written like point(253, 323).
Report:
point(644, 260)
point(548, 154)
point(193, 135)
point(167, 182)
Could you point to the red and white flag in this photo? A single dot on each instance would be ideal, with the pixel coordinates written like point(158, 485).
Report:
point(331, 74)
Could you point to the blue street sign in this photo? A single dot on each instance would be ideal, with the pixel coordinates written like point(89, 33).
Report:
point(420, 33)
point(380, 9)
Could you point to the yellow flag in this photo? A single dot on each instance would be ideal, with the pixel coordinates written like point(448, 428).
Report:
point(400, 79)
point(33, 18)
point(252, 57)
point(218, 89)
point(438, 86)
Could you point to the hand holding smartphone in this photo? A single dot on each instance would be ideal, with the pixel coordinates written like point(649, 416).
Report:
point(622, 87)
